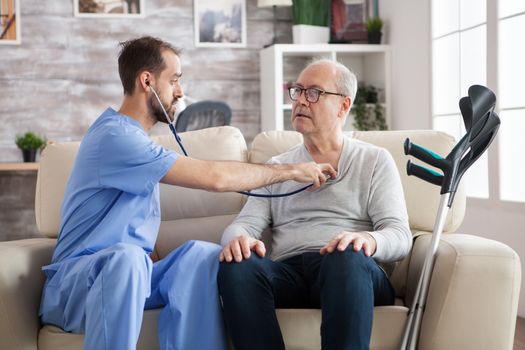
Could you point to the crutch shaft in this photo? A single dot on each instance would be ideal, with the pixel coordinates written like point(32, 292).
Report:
point(418, 305)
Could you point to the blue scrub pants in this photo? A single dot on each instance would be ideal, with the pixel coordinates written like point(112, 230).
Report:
point(345, 285)
point(104, 296)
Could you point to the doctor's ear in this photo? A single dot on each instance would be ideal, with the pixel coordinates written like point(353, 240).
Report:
point(145, 80)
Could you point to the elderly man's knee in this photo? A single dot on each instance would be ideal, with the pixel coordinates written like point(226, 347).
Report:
point(238, 273)
point(344, 263)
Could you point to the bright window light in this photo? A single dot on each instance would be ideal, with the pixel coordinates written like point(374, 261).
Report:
point(449, 124)
point(476, 178)
point(446, 75)
point(510, 7)
point(459, 61)
point(511, 63)
point(472, 13)
point(473, 58)
point(445, 17)
point(511, 146)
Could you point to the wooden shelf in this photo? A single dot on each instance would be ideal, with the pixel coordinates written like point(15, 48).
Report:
point(18, 166)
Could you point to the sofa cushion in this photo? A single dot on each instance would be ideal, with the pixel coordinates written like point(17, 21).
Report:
point(55, 166)
point(221, 143)
point(300, 329)
point(174, 233)
point(421, 197)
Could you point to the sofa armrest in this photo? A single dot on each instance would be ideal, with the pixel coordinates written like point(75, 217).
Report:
point(473, 294)
point(21, 282)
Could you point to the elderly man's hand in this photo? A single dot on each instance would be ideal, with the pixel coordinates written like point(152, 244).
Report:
point(359, 240)
point(240, 248)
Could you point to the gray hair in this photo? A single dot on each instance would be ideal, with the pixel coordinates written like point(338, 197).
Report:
point(345, 81)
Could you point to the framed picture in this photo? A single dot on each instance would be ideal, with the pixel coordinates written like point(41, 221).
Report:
point(348, 21)
point(220, 23)
point(9, 22)
point(109, 8)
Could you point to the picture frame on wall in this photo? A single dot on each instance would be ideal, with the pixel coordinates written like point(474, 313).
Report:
point(348, 21)
point(109, 8)
point(10, 22)
point(220, 23)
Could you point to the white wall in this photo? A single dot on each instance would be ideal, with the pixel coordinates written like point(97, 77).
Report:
point(67, 67)
point(407, 30)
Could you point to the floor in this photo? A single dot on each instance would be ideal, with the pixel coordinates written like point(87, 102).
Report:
point(519, 337)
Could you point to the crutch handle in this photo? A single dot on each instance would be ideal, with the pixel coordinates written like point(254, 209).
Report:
point(423, 154)
point(424, 173)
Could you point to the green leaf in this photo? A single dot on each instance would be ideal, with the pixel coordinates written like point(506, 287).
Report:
point(29, 140)
point(374, 24)
point(312, 12)
point(368, 113)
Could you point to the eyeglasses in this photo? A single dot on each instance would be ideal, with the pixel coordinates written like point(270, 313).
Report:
point(311, 94)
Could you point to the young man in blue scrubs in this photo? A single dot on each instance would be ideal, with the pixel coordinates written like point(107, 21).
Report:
point(101, 277)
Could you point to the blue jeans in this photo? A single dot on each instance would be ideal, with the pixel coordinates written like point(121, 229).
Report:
point(344, 285)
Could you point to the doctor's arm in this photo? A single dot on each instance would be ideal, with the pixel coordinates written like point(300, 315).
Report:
point(227, 176)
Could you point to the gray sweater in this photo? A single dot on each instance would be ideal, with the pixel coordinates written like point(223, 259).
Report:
point(366, 196)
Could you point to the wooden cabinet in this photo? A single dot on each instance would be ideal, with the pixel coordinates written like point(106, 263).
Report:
point(282, 63)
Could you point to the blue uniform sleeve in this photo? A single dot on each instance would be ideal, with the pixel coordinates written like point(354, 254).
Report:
point(132, 162)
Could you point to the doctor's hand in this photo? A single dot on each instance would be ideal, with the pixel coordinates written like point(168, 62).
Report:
point(314, 173)
point(359, 240)
point(240, 248)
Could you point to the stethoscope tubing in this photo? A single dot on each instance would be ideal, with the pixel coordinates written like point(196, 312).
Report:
point(181, 145)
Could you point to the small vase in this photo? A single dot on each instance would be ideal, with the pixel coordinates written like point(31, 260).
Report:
point(307, 34)
point(29, 155)
point(374, 37)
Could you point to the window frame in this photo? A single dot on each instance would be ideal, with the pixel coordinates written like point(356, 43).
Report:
point(492, 36)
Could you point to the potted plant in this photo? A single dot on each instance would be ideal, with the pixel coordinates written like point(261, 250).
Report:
point(368, 113)
point(374, 26)
point(311, 21)
point(30, 143)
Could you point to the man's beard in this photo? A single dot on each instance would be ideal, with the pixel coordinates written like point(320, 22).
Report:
point(156, 109)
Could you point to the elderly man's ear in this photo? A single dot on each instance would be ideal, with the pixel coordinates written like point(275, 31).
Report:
point(345, 106)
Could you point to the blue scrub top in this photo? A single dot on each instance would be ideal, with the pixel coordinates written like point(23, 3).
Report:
point(112, 195)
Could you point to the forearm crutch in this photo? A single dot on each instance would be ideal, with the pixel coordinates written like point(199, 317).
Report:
point(481, 124)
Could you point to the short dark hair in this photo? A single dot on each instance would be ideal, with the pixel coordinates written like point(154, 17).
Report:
point(140, 54)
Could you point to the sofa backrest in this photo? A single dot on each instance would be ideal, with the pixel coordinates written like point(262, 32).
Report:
point(196, 214)
point(177, 203)
point(421, 197)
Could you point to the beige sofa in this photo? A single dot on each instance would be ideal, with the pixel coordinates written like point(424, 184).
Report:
point(474, 289)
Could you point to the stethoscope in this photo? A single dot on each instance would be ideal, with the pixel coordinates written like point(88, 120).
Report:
point(171, 124)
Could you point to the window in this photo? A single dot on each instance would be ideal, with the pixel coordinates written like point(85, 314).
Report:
point(460, 37)
point(511, 75)
point(459, 61)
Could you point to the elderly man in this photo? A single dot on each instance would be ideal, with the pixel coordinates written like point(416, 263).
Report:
point(325, 244)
